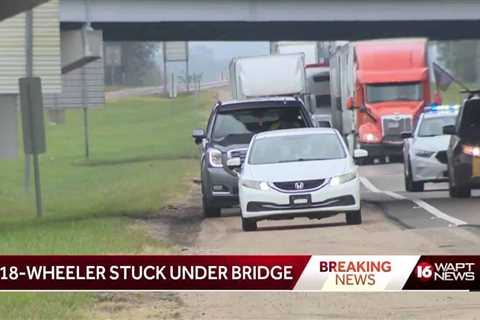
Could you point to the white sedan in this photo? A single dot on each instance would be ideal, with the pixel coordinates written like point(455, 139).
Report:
point(298, 173)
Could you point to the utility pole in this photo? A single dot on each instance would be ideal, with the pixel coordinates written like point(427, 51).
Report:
point(29, 73)
point(165, 74)
point(85, 99)
point(187, 71)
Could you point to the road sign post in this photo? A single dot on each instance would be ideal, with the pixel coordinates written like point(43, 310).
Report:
point(177, 51)
point(33, 124)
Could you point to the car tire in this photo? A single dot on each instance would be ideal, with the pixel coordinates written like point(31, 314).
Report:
point(410, 185)
point(396, 159)
point(210, 211)
point(460, 192)
point(364, 161)
point(249, 224)
point(354, 217)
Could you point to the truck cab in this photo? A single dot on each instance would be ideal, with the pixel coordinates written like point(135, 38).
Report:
point(387, 89)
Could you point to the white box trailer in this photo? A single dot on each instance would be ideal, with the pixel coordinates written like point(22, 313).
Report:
point(263, 76)
point(308, 48)
point(341, 87)
point(318, 88)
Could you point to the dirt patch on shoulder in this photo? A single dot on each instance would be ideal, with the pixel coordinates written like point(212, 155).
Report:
point(120, 306)
point(178, 224)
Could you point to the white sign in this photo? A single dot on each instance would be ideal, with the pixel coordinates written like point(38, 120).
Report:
point(113, 55)
point(176, 51)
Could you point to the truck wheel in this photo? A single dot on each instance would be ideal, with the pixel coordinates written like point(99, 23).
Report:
point(354, 217)
point(410, 185)
point(460, 192)
point(360, 162)
point(249, 224)
point(364, 161)
point(209, 211)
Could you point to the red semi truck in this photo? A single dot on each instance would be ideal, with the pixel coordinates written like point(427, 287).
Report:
point(378, 89)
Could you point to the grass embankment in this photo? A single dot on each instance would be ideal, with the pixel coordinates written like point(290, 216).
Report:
point(142, 152)
point(453, 96)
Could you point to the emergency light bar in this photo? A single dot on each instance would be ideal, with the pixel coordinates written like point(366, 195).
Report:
point(435, 108)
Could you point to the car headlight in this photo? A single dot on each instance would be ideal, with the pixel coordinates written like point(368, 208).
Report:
point(424, 153)
point(471, 150)
point(215, 158)
point(338, 180)
point(257, 185)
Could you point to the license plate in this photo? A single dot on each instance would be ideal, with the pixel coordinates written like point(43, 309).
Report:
point(393, 125)
point(476, 167)
point(300, 199)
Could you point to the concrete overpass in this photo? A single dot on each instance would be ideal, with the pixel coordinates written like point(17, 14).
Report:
point(274, 19)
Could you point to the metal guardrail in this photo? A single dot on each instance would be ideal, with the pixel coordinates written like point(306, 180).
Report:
point(152, 91)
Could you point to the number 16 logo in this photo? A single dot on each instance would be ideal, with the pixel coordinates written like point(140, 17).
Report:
point(424, 271)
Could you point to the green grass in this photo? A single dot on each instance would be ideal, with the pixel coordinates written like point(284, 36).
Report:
point(141, 155)
point(453, 95)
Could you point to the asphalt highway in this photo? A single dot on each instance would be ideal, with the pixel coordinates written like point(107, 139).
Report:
point(384, 185)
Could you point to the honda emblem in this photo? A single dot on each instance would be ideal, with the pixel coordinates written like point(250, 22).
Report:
point(299, 185)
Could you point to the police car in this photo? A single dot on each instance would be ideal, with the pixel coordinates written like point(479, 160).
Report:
point(425, 149)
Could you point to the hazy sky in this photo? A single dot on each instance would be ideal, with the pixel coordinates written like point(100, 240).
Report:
point(211, 58)
point(226, 50)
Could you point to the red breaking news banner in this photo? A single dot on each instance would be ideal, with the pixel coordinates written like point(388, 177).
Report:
point(150, 272)
point(301, 273)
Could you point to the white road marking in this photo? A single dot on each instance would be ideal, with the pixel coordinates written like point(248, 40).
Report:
point(427, 207)
point(369, 185)
point(439, 214)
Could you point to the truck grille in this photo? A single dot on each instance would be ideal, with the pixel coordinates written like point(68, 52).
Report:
point(238, 153)
point(393, 126)
point(298, 186)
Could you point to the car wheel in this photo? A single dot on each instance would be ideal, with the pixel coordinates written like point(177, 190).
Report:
point(410, 185)
point(406, 176)
point(396, 159)
point(210, 211)
point(249, 224)
point(460, 192)
point(354, 217)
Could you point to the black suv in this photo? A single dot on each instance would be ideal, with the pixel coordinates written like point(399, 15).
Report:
point(464, 150)
point(230, 128)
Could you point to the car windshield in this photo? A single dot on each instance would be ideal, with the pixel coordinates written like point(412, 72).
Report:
point(394, 92)
point(291, 148)
point(232, 125)
point(431, 127)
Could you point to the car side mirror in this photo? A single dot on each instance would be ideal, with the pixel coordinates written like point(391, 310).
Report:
point(450, 130)
point(234, 163)
point(349, 103)
point(406, 135)
point(360, 153)
point(198, 135)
